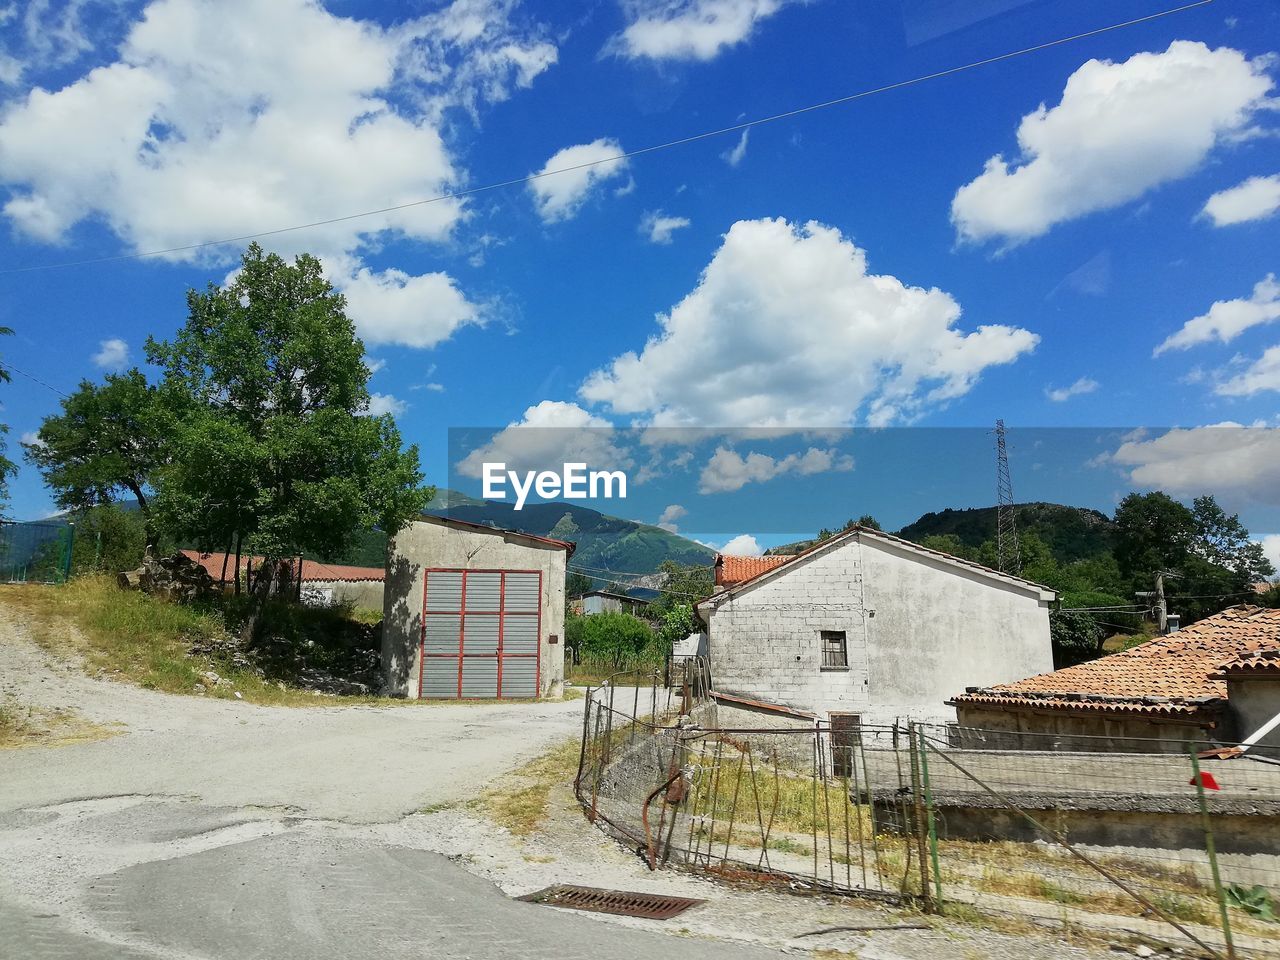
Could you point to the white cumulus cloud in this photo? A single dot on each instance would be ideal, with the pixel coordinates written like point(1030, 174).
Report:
point(1120, 130)
point(549, 435)
point(688, 29)
point(669, 517)
point(659, 227)
point(1063, 394)
point(380, 403)
point(1254, 199)
point(743, 545)
point(1226, 459)
point(223, 119)
point(393, 307)
point(1227, 319)
point(559, 196)
point(728, 470)
point(786, 328)
point(112, 355)
point(1262, 374)
point(1271, 547)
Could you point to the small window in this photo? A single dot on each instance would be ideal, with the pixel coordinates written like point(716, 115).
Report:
point(835, 654)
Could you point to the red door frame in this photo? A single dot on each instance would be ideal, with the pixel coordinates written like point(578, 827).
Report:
point(462, 614)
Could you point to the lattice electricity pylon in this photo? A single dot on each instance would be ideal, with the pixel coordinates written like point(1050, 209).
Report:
point(1010, 557)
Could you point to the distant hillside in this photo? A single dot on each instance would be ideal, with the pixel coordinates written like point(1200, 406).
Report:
point(1070, 533)
point(605, 544)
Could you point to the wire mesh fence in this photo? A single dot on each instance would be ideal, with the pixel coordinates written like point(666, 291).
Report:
point(35, 552)
point(1151, 841)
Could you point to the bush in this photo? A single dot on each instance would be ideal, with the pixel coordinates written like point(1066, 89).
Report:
point(616, 638)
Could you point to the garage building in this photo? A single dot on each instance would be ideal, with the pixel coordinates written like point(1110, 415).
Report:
point(472, 611)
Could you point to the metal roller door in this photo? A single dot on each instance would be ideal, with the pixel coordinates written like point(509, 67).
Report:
point(480, 631)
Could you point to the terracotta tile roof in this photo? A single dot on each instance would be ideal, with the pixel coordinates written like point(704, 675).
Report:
point(1177, 674)
point(1257, 661)
point(732, 570)
point(311, 569)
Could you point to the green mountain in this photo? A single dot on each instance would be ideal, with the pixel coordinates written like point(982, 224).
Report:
point(1070, 533)
point(605, 545)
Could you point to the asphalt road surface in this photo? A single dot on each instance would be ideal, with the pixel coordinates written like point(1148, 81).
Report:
point(217, 829)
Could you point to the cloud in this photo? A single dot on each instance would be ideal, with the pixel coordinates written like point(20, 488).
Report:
point(1225, 459)
point(561, 195)
point(112, 355)
point(743, 545)
point(46, 36)
point(1120, 130)
point(659, 227)
point(669, 517)
point(1254, 199)
point(1062, 394)
point(727, 470)
point(393, 307)
point(202, 128)
point(688, 29)
point(1262, 374)
point(549, 435)
point(786, 328)
point(734, 156)
point(380, 403)
point(32, 439)
point(1271, 547)
point(1227, 319)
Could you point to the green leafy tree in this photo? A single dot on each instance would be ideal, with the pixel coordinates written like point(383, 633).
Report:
point(1076, 637)
point(108, 539)
point(1153, 532)
point(682, 584)
point(616, 638)
point(108, 441)
point(274, 448)
point(1223, 541)
point(676, 624)
point(576, 584)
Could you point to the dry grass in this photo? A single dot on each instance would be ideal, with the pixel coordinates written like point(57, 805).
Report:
point(26, 726)
point(521, 800)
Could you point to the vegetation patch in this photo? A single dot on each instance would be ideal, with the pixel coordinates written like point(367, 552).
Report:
point(521, 801)
point(27, 726)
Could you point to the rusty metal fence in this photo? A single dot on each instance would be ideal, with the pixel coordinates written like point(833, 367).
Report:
point(1140, 838)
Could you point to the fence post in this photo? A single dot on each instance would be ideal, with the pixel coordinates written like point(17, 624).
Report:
point(1219, 892)
point(918, 820)
point(66, 560)
point(933, 830)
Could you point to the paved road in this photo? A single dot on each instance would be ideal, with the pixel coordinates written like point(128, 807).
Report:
point(215, 829)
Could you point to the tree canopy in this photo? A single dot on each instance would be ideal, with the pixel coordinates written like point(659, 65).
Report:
point(109, 440)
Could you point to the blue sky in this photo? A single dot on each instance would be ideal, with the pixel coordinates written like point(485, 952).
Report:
point(1078, 237)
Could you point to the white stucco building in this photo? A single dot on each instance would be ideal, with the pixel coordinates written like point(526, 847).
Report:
point(866, 627)
point(473, 612)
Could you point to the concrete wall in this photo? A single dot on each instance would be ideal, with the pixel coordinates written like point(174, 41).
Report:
point(424, 545)
point(361, 594)
point(1054, 730)
point(918, 630)
point(1252, 703)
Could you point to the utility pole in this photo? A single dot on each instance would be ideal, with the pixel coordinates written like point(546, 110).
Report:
point(1007, 549)
point(1161, 607)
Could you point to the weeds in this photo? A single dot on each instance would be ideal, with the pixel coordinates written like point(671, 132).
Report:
point(521, 800)
point(26, 726)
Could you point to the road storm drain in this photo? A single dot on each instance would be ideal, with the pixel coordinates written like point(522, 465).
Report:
point(653, 906)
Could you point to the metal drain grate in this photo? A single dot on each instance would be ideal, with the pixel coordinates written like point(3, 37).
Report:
point(654, 906)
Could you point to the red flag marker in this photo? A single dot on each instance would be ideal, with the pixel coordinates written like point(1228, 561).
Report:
point(1206, 780)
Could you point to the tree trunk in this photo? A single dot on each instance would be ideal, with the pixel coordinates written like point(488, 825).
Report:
point(222, 581)
point(238, 541)
point(263, 587)
point(144, 508)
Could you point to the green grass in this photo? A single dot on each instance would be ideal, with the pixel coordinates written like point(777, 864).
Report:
point(594, 670)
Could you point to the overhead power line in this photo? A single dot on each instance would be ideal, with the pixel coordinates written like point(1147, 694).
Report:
point(624, 155)
point(22, 373)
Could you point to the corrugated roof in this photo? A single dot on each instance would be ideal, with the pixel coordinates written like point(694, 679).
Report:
point(1170, 675)
point(311, 569)
point(565, 545)
point(731, 570)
